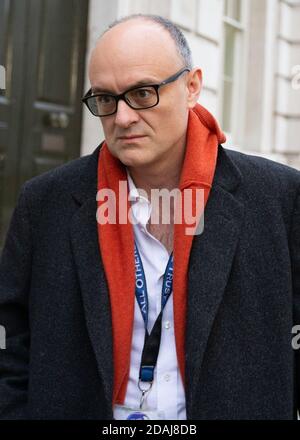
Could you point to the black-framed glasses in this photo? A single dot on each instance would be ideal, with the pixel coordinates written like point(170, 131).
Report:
point(138, 98)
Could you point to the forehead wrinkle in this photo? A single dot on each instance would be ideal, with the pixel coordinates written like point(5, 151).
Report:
point(152, 74)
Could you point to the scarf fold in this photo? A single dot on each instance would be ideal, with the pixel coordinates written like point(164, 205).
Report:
point(116, 240)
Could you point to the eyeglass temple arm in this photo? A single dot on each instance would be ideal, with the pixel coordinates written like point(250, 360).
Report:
point(173, 77)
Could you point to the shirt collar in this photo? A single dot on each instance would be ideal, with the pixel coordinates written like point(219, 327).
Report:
point(141, 206)
point(134, 195)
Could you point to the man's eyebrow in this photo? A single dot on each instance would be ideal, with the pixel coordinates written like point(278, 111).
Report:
point(142, 82)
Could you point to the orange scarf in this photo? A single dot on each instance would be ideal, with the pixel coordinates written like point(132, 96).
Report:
point(116, 242)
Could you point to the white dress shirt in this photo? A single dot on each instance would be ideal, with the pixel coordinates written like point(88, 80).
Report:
point(167, 392)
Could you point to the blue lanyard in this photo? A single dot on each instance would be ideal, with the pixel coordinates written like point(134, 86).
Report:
point(152, 340)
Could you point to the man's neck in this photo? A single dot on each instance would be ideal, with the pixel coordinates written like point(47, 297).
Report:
point(154, 180)
point(159, 176)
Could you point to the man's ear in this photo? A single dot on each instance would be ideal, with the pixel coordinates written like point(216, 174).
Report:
point(194, 86)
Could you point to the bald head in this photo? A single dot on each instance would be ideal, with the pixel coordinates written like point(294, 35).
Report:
point(175, 33)
point(135, 44)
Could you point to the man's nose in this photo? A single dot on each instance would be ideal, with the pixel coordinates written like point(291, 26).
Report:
point(125, 115)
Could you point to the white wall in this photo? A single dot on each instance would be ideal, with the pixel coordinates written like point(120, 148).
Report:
point(101, 13)
point(287, 101)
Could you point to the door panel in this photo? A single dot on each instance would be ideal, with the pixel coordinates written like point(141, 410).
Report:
point(55, 65)
point(42, 46)
point(57, 62)
point(12, 28)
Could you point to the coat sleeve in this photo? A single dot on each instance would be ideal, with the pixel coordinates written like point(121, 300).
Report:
point(15, 275)
point(295, 259)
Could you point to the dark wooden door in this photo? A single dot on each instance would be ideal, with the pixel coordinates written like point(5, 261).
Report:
point(42, 46)
point(12, 31)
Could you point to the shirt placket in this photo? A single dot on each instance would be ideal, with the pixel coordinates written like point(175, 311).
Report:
point(163, 395)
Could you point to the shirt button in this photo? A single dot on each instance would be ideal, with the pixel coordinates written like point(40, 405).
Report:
point(167, 377)
point(167, 324)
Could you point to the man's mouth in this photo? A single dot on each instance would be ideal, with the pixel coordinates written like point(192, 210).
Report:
point(137, 136)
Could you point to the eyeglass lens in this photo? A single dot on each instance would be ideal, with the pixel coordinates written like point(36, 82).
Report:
point(139, 98)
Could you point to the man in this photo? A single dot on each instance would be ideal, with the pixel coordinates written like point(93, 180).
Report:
point(139, 320)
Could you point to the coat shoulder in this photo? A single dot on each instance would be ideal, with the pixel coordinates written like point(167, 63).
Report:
point(63, 178)
point(267, 187)
point(61, 173)
point(265, 173)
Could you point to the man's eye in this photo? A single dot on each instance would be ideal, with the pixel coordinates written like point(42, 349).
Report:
point(143, 93)
point(105, 99)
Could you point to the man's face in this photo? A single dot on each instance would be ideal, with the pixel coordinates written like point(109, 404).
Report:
point(127, 54)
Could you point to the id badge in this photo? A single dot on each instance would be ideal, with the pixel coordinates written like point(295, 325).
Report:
point(122, 412)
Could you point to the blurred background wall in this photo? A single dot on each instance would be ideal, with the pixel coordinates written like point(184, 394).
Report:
point(248, 50)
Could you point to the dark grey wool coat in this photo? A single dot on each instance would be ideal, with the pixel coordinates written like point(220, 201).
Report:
point(243, 298)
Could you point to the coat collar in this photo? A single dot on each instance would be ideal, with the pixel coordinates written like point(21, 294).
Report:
point(210, 263)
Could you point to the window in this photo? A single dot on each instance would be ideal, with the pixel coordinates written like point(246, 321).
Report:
point(233, 9)
point(232, 64)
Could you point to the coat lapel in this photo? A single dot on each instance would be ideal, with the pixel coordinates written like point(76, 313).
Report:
point(211, 259)
point(84, 241)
